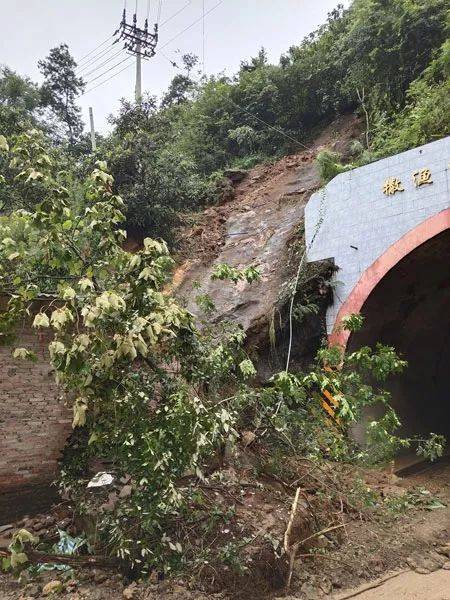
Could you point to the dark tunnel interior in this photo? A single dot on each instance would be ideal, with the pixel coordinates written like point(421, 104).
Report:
point(410, 310)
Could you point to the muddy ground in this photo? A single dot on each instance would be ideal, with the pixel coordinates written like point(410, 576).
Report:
point(401, 554)
point(415, 539)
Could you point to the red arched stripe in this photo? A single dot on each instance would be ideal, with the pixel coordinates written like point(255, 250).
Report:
point(377, 270)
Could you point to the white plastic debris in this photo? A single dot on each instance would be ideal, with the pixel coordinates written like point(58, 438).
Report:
point(100, 479)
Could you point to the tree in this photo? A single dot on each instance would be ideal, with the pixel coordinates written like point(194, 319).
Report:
point(182, 86)
point(179, 90)
point(143, 382)
point(155, 178)
point(61, 88)
point(21, 103)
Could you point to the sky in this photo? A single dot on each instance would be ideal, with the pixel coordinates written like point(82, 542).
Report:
point(234, 30)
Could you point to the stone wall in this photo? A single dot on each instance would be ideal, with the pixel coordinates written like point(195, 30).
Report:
point(34, 425)
point(361, 220)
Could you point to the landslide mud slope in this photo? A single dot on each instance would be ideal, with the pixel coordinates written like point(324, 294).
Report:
point(256, 227)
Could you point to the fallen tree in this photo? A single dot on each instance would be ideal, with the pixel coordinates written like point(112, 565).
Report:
point(163, 414)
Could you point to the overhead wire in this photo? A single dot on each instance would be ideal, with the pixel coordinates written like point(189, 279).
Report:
point(175, 13)
point(105, 62)
point(320, 220)
point(166, 44)
point(109, 78)
point(191, 25)
point(269, 126)
point(158, 15)
point(203, 37)
point(95, 58)
point(110, 69)
point(96, 48)
point(280, 131)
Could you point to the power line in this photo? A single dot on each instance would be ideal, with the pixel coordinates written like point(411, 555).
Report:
point(108, 60)
point(280, 131)
point(203, 36)
point(172, 62)
point(192, 24)
point(108, 70)
point(96, 48)
point(175, 13)
point(158, 16)
point(269, 126)
point(95, 58)
point(109, 78)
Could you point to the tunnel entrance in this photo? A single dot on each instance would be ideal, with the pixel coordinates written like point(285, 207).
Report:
point(410, 310)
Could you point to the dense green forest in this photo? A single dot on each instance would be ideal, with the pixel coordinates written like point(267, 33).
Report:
point(389, 61)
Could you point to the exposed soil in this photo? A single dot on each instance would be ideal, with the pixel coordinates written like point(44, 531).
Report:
point(256, 226)
point(406, 585)
point(416, 541)
point(370, 547)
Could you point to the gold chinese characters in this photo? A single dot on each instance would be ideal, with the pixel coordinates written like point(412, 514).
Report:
point(422, 177)
point(393, 185)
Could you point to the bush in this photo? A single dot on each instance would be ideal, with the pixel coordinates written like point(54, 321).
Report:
point(330, 165)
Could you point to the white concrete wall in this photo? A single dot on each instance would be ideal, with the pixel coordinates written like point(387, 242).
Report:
point(357, 213)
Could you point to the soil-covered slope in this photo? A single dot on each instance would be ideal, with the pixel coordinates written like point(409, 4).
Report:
point(260, 226)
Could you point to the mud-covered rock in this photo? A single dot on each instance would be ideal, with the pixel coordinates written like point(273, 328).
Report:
point(261, 226)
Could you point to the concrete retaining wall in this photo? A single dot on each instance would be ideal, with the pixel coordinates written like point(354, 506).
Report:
point(360, 221)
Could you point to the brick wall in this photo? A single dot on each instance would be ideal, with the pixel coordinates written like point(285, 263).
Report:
point(34, 425)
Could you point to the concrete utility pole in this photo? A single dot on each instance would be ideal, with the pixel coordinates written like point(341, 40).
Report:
point(93, 140)
point(138, 90)
point(138, 42)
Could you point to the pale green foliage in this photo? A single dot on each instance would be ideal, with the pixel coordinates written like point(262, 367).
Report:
point(224, 271)
point(330, 165)
point(144, 383)
point(19, 542)
point(247, 368)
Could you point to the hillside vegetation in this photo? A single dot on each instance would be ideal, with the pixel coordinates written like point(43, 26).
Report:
point(196, 452)
point(387, 60)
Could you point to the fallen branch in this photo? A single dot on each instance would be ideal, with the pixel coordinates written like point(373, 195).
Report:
point(372, 586)
point(76, 561)
point(291, 521)
point(292, 551)
point(327, 530)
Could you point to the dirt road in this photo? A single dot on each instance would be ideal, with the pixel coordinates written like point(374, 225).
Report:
point(406, 585)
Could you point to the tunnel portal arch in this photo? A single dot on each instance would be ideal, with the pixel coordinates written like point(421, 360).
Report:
point(409, 309)
point(378, 270)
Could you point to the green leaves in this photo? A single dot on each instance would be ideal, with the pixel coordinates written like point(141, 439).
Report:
point(4, 146)
point(247, 368)
point(224, 271)
point(41, 320)
point(353, 322)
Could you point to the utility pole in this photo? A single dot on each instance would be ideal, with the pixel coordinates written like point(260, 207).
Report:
point(138, 42)
point(93, 140)
point(138, 90)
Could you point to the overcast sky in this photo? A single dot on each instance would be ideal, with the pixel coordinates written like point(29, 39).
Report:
point(234, 31)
